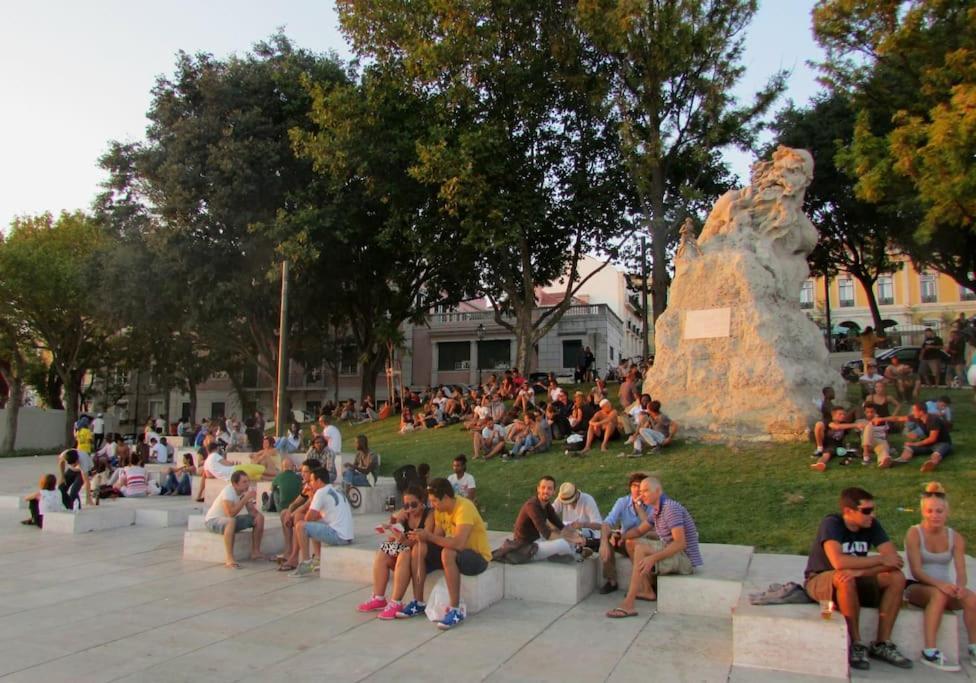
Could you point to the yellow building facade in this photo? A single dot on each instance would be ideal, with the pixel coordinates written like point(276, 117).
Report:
point(907, 296)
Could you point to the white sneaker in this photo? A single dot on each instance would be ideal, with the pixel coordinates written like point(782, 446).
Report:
point(938, 661)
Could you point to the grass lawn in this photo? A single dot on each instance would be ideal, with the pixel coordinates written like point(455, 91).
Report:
point(752, 494)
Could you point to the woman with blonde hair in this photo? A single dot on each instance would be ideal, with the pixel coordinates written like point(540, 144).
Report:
point(932, 548)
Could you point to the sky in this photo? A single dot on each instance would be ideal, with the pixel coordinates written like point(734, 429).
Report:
point(76, 75)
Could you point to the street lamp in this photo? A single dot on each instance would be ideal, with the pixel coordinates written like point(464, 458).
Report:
point(481, 336)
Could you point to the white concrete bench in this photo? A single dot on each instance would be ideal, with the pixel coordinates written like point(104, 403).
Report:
point(813, 645)
point(201, 544)
point(92, 518)
point(713, 590)
point(10, 502)
point(355, 563)
point(215, 486)
point(544, 581)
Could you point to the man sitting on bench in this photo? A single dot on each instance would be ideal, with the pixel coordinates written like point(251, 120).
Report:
point(839, 569)
point(674, 551)
point(224, 517)
point(461, 534)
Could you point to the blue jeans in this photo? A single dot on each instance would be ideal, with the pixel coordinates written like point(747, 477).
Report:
point(181, 485)
point(320, 531)
point(355, 478)
point(530, 441)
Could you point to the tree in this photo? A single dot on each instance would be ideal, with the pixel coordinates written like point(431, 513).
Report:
point(911, 68)
point(674, 64)
point(855, 236)
point(522, 146)
point(214, 177)
point(374, 250)
point(15, 350)
point(46, 267)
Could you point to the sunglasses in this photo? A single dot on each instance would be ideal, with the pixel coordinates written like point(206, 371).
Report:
point(411, 506)
point(934, 494)
point(866, 510)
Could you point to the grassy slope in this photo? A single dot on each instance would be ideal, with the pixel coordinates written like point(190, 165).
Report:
point(760, 495)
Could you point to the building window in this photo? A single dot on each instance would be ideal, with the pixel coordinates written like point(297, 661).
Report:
point(313, 375)
point(806, 294)
point(312, 409)
point(846, 289)
point(495, 354)
point(886, 290)
point(929, 287)
point(611, 353)
point(217, 409)
point(571, 351)
point(453, 356)
point(966, 294)
point(348, 360)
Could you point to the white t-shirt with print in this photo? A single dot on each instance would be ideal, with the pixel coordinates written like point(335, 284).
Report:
point(462, 485)
point(333, 438)
point(335, 510)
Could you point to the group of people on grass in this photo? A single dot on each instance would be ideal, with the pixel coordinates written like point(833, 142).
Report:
point(842, 432)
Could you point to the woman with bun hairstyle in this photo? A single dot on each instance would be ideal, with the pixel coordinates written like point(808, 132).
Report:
point(931, 548)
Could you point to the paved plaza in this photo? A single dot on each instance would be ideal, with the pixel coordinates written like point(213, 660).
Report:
point(124, 605)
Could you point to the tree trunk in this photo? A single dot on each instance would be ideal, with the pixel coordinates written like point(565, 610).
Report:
point(523, 339)
point(371, 368)
point(71, 393)
point(53, 390)
point(867, 284)
point(659, 245)
point(192, 386)
point(16, 386)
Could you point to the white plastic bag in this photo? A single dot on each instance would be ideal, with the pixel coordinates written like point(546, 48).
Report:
point(439, 601)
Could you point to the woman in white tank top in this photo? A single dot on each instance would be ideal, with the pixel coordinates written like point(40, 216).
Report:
point(933, 551)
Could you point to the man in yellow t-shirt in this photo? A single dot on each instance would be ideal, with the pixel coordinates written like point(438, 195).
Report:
point(461, 534)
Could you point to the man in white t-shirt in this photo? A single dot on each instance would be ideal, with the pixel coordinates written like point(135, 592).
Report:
point(157, 451)
point(160, 425)
point(214, 467)
point(98, 430)
point(579, 511)
point(462, 481)
point(328, 520)
point(329, 432)
point(224, 517)
point(490, 441)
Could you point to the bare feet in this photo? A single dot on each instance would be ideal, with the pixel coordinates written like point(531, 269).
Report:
point(232, 565)
point(928, 466)
point(819, 466)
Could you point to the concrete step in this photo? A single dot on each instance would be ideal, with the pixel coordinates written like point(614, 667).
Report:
point(205, 546)
point(816, 646)
point(95, 518)
point(564, 584)
point(10, 502)
point(713, 590)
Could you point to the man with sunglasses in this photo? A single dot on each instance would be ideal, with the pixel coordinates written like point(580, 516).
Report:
point(840, 569)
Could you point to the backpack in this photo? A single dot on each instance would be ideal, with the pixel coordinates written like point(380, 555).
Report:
point(574, 442)
point(404, 476)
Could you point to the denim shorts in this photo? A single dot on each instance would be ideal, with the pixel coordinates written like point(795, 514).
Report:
point(320, 531)
point(241, 522)
point(942, 448)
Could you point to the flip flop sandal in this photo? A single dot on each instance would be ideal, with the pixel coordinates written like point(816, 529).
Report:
point(286, 568)
point(618, 613)
point(233, 566)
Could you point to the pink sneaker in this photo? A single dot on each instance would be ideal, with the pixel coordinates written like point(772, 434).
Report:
point(372, 605)
point(389, 614)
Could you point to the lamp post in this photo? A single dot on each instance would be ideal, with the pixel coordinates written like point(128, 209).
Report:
point(481, 337)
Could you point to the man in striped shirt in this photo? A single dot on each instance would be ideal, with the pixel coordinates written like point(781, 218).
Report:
point(675, 551)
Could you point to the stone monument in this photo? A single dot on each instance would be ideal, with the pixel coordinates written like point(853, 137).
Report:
point(735, 356)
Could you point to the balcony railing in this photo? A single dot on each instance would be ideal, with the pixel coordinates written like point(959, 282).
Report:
point(450, 318)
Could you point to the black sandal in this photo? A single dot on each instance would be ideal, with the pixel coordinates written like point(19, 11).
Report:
point(27, 522)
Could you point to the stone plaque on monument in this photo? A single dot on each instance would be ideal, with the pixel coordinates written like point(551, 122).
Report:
point(708, 324)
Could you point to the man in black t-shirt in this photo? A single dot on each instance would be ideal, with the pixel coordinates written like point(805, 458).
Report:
point(936, 442)
point(930, 357)
point(840, 569)
point(831, 438)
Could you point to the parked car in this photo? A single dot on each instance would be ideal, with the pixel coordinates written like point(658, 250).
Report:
point(853, 369)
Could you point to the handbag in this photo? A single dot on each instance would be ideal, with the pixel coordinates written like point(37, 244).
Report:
point(439, 602)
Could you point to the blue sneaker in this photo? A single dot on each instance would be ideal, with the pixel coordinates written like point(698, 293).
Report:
point(412, 609)
point(451, 619)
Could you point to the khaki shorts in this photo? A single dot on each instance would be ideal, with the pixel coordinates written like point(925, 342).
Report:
point(821, 587)
point(676, 564)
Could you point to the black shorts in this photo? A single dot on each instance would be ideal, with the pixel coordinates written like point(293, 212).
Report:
point(468, 561)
